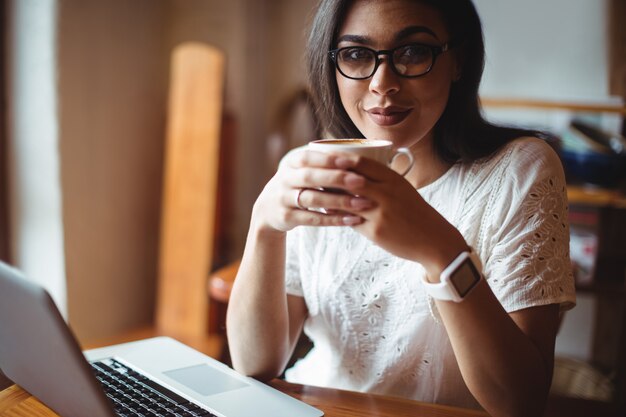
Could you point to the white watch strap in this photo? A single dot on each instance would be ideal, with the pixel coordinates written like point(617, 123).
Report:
point(439, 290)
point(444, 290)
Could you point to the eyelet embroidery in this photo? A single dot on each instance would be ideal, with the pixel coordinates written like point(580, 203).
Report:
point(543, 257)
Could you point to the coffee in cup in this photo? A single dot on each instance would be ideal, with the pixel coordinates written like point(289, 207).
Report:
point(378, 149)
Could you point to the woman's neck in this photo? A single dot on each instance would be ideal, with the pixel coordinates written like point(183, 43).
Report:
point(427, 166)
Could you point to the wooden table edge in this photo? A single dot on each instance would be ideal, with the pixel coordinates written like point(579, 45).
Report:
point(15, 401)
point(342, 403)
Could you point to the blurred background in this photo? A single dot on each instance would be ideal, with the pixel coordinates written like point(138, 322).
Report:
point(83, 120)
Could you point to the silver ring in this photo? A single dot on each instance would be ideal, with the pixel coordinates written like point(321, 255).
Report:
point(298, 205)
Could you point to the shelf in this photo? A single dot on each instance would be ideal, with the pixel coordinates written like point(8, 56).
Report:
point(552, 105)
point(595, 196)
point(598, 215)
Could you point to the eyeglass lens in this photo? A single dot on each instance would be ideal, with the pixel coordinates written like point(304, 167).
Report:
point(409, 60)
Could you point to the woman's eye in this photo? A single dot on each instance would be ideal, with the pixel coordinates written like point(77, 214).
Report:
point(355, 54)
point(413, 53)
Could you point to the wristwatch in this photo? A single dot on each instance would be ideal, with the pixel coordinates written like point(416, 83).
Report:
point(458, 279)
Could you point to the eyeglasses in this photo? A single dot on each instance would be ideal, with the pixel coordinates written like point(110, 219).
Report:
point(410, 61)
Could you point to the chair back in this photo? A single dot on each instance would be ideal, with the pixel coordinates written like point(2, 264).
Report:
point(190, 189)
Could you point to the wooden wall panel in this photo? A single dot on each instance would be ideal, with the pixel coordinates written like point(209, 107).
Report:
point(617, 64)
point(112, 78)
point(4, 215)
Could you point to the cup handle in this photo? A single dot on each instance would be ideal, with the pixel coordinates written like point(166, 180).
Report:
point(406, 152)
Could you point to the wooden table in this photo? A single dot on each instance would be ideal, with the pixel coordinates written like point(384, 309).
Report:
point(15, 402)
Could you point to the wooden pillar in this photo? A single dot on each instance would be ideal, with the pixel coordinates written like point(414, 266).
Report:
point(617, 52)
point(190, 189)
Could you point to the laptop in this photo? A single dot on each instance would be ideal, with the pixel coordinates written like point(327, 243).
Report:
point(156, 377)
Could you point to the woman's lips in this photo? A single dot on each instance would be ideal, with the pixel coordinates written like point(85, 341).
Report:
point(388, 116)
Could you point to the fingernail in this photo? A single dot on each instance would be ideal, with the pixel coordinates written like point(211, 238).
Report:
point(343, 162)
point(353, 180)
point(360, 203)
point(351, 220)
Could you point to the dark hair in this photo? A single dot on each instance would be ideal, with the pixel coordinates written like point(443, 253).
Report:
point(461, 133)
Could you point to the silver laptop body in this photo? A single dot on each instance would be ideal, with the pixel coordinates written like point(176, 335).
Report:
point(39, 352)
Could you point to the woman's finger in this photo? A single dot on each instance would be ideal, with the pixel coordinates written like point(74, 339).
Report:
point(302, 157)
point(314, 218)
point(369, 168)
point(331, 200)
point(307, 177)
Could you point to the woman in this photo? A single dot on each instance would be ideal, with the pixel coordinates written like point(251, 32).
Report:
point(482, 213)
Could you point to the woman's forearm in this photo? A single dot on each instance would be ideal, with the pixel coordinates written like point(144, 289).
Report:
point(504, 368)
point(257, 320)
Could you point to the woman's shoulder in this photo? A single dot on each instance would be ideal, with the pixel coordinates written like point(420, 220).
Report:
point(526, 152)
point(523, 157)
point(513, 170)
point(526, 167)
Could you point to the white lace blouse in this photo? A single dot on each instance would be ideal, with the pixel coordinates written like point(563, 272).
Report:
point(373, 327)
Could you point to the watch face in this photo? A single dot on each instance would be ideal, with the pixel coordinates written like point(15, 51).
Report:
point(465, 277)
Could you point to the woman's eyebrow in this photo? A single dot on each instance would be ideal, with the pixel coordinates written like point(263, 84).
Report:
point(410, 30)
point(355, 39)
point(401, 35)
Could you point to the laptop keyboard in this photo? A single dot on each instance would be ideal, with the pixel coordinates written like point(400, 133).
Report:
point(133, 394)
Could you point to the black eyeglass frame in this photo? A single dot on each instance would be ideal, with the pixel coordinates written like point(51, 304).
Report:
point(434, 49)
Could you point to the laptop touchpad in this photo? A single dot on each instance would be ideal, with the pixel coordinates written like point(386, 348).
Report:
point(204, 379)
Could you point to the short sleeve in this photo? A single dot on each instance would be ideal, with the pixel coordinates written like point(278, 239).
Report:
point(293, 281)
point(527, 234)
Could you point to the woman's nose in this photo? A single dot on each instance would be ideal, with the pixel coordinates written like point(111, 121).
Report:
point(384, 81)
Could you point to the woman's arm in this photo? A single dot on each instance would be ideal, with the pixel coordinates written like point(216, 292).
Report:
point(263, 322)
point(506, 359)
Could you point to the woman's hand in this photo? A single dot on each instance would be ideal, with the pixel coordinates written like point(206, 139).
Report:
point(299, 181)
point(400, 221)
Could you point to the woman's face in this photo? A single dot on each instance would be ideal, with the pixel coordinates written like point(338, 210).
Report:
point(388, 106)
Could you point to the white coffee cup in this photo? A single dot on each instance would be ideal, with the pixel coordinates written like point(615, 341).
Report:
point(378, 149)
